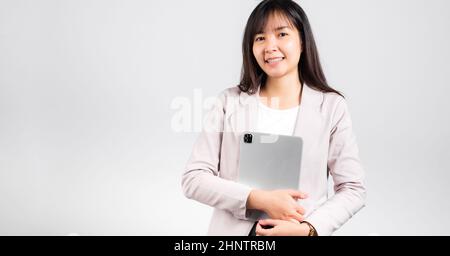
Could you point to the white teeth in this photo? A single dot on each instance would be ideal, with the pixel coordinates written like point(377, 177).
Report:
point(274, 60)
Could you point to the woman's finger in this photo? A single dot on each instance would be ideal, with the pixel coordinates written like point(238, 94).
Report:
point(297, 216)
point(300, 210)
point(269, 222)
point(261, 231)
point(297, 194)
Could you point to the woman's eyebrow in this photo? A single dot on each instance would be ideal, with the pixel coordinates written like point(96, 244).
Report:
point(281, 28)
point(276, 29)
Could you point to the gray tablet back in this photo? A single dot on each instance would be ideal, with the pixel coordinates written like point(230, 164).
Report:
point(270, 161)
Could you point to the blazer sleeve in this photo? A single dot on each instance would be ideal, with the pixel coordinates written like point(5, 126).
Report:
point(200, 179)
point(347, 173)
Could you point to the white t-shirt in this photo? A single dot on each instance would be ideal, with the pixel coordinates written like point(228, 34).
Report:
point(276, 121)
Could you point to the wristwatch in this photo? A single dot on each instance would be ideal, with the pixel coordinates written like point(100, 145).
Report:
point(312, 230)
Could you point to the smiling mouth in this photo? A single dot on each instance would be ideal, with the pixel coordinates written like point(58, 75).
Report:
point(273, 60)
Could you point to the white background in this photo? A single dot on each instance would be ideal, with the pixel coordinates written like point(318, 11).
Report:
point(86, 144)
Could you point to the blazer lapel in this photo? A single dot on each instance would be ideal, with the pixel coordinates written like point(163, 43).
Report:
point(244, 116)
point(308, 111)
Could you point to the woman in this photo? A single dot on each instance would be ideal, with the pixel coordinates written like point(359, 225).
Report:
point(282, 91)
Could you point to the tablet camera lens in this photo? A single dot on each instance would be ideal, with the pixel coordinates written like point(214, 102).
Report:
point(248, 138)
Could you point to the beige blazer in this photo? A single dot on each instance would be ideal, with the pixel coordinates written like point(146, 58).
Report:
point(329, 147)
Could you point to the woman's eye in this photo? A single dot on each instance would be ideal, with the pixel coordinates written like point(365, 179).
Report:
point(282, 34)
point(259, 38)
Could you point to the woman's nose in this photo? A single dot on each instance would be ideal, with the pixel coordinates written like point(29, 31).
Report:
point(271, 45)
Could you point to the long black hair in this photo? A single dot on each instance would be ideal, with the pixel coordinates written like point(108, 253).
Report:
point(309, 67)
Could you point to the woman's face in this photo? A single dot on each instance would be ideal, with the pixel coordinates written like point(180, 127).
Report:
point(277, 49)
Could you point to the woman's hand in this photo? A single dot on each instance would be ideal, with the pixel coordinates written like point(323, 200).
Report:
point(281, 228)
point(278, 204)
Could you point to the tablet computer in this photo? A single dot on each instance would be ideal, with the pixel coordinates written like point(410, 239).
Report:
point(270, 161)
